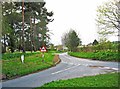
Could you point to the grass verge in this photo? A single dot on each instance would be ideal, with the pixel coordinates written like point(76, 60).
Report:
point(102, 80)
point(13, 67)
point(104, 56)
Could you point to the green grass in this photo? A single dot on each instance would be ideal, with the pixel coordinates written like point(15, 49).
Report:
point(103, 80)
point(106, 56)
point(11, 56)
point(55, 51)
point(12, 67)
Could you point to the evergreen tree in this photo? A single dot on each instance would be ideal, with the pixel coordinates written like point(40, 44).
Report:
point(71, 40)
point(95, 42)
point(36, 19)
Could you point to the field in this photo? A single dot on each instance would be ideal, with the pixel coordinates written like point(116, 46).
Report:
point(13, 67)
point(103, 80)
point(105, 56)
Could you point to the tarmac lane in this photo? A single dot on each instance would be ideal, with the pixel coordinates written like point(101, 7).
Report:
point(69, 67)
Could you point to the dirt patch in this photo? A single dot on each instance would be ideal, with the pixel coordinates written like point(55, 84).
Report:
point(2, 76)
point(95, 66)
point(56, 59)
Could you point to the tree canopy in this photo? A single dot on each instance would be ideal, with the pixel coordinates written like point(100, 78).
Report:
point(95, 42)
point(108, 18)
point(36, 32)
point(71, 40)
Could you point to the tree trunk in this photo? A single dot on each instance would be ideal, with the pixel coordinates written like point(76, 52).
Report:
point(23, 43)
point(34, 35)
point(31, 32)
point(4, 49)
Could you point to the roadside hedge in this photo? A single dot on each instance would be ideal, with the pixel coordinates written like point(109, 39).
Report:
point(105, 56)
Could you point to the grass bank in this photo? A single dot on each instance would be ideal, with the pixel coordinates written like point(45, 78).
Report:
point(103, 80)
point(104, 56)
point(13, 67)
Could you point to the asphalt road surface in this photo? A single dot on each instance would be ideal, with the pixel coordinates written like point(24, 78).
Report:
point(69, 67)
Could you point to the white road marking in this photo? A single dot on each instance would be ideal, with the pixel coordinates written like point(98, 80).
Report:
point(70, 63)
point(65, 69)
point(84, 65)
point(115, 68)
point(65, 62)
point(89, 65)
point(106, 67)
point(109, 68)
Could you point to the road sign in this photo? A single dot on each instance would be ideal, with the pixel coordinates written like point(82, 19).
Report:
point(43, 49)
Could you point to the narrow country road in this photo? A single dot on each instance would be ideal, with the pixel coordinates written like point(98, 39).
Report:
point(69, 67)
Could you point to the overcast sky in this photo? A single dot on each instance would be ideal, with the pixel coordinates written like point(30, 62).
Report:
point(76, 14)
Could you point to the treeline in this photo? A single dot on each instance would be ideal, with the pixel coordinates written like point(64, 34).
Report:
point(103, 46)
point(107, 51)
point(24, 26)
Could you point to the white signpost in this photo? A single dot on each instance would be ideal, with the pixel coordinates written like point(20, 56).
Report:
point(22, 58)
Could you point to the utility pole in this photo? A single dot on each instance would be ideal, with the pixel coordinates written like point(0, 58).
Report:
point(23, 42)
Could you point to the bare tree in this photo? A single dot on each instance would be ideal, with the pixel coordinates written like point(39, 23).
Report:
point(108, 18)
